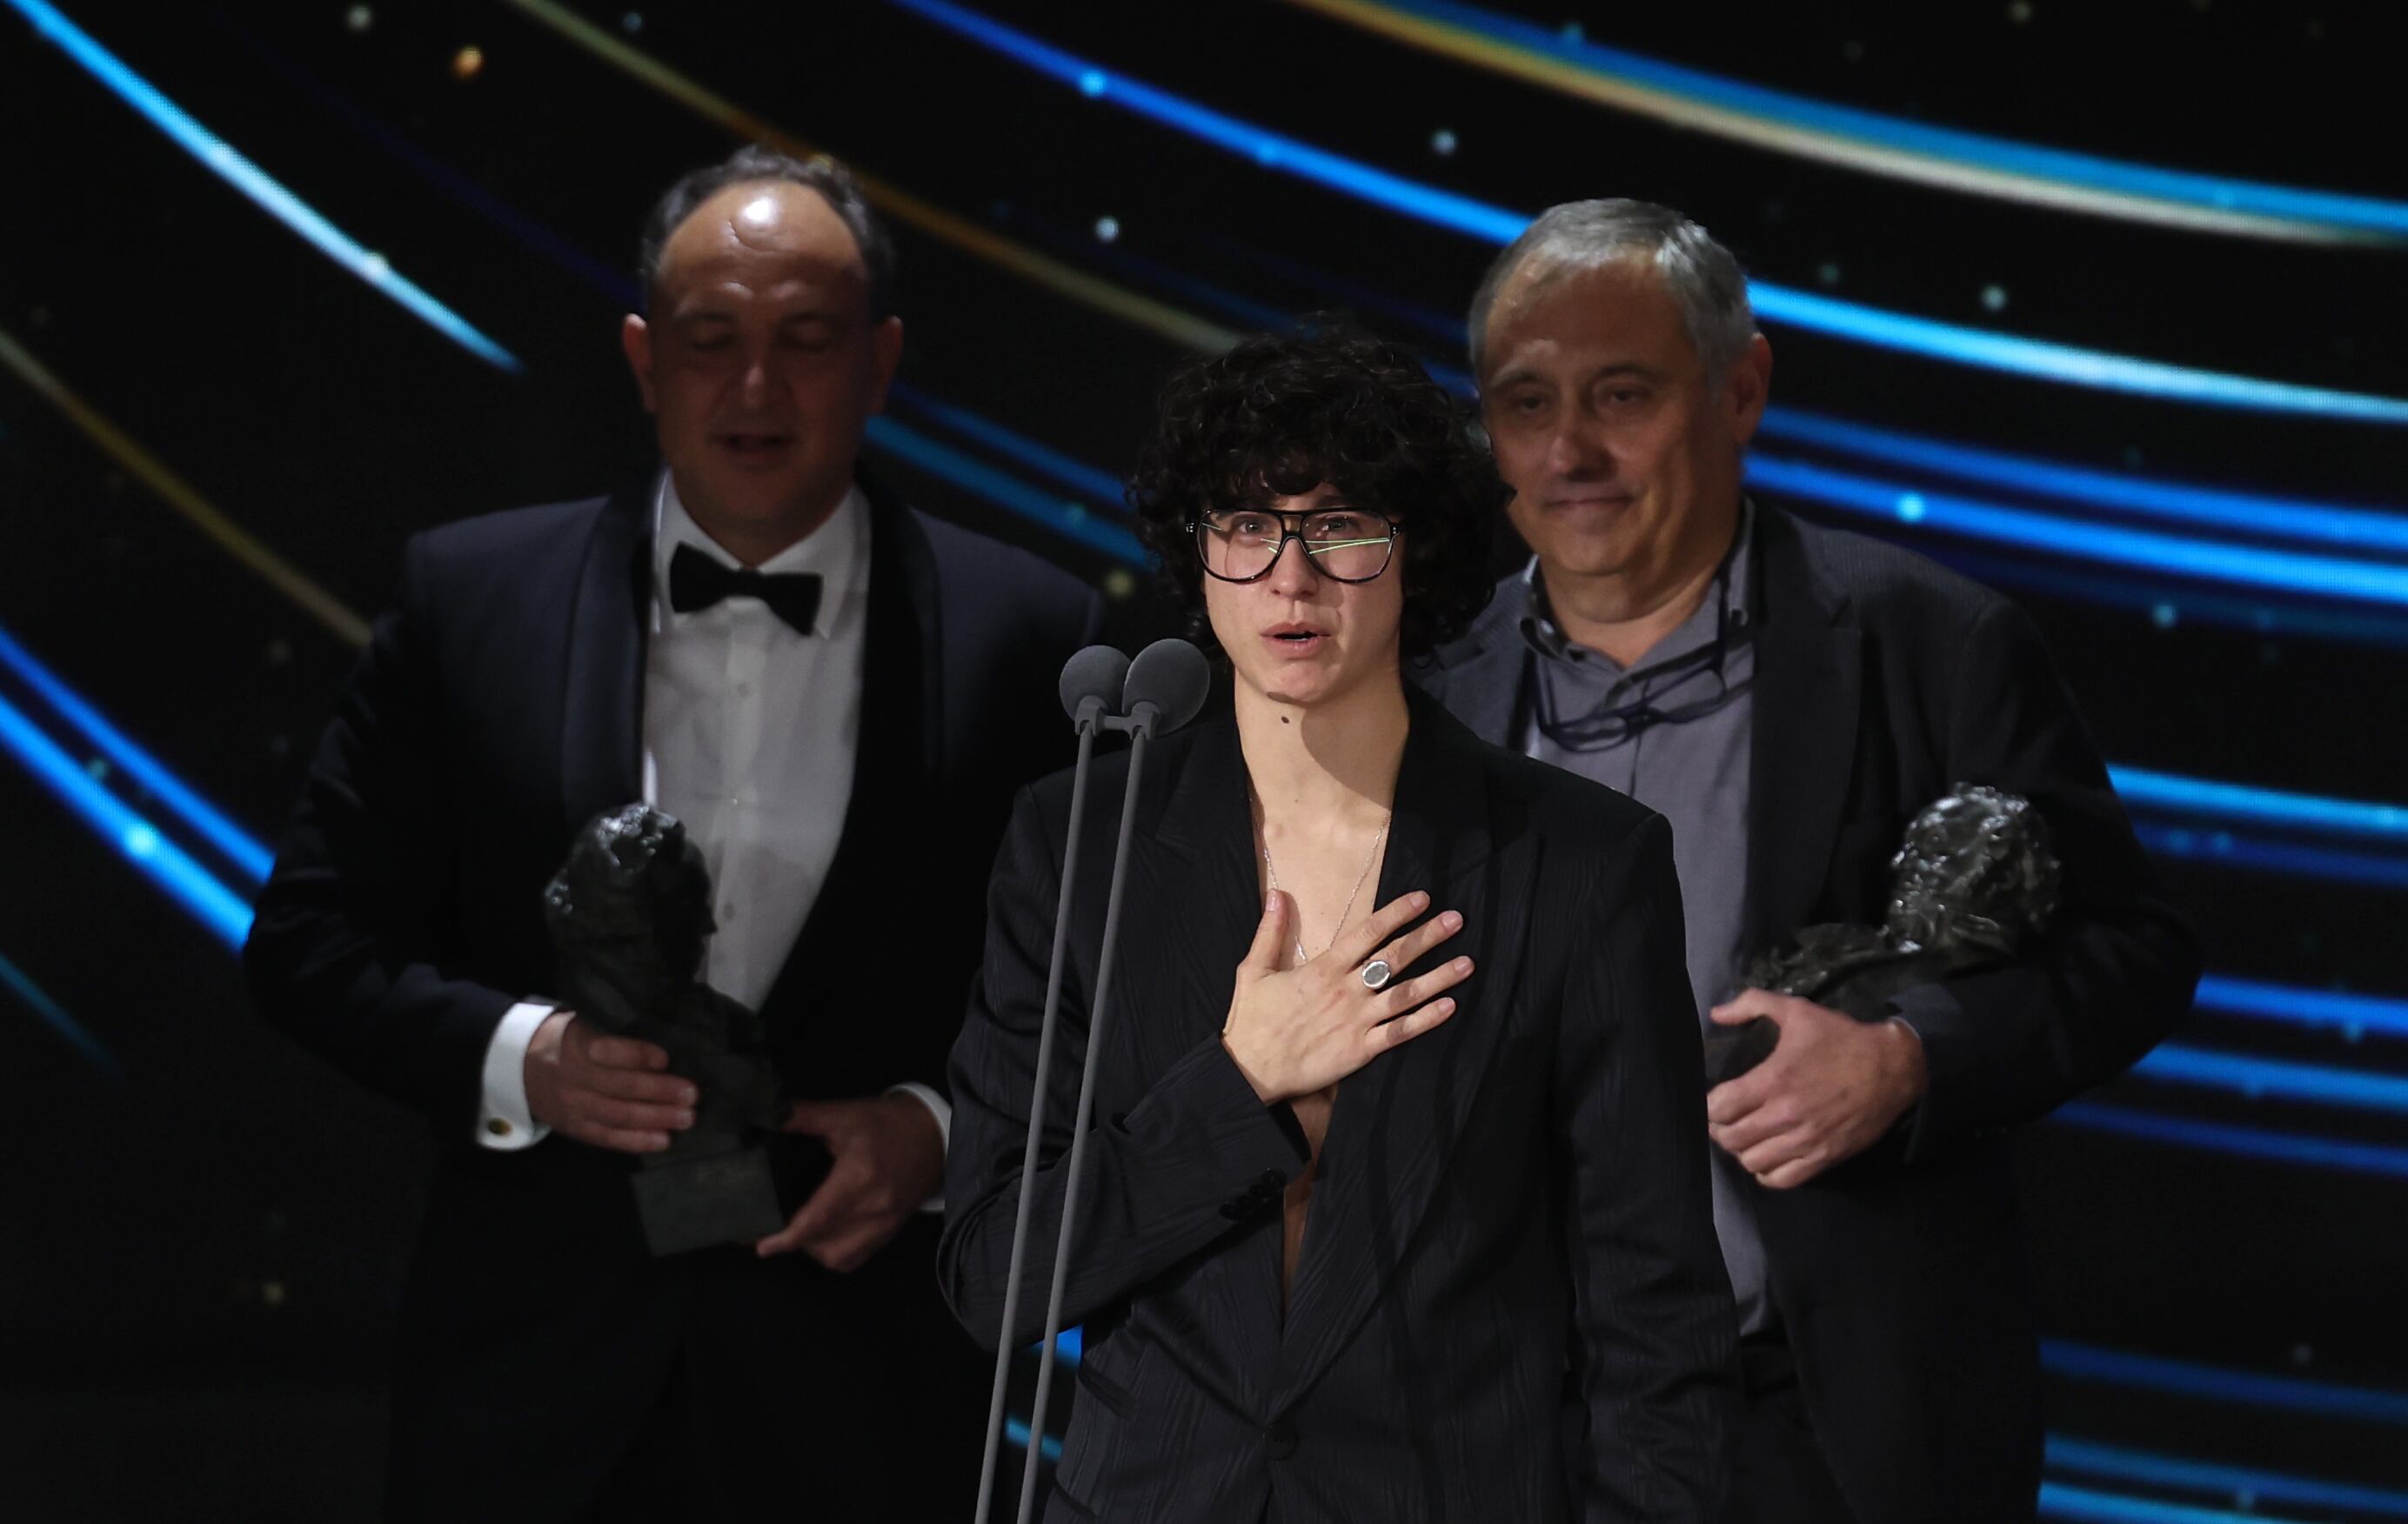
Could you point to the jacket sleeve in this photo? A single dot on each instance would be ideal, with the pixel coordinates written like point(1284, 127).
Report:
point(1655, 1350)
point(345, 947)
point(1197, 1154)
point(2117, 966)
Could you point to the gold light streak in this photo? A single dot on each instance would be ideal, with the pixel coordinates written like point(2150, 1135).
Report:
point(185, 498)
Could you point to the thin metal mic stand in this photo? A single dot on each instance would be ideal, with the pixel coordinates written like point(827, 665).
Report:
point(1140, 725)
point(1091, 716)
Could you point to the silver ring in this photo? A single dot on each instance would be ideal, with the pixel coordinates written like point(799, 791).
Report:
point(1377, 974)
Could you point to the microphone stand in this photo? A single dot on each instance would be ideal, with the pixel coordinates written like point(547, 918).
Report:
point(1091, 717)
point(1139, 726)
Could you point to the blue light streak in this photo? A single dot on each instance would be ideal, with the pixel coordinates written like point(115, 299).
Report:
point(1069, 520)
point(2224, 849)
point(76, 1035)
point(2352, 1014)
point(239, 846)
point(2185, 1378)
point(2058, 1500)
point(2146, 790)
point(2168, 602)
point(2276, 1079)
point(2275, 518)
point(1098, 485)
point(167, 864)
point(1069, 1346)
point(2247, 1143)
point(2126, 1466)
point(221, 159)
point(2141, 550)
point(2065, 363)
point(1016, 1430)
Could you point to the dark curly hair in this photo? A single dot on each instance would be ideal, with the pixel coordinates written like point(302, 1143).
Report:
point(1280, 414)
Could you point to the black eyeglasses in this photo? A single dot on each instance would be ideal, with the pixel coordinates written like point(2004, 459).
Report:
point(1610, 727)
point(1343, 544)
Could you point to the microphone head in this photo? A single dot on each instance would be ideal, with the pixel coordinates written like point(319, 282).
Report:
point(1096, 673)
point(1173, 677)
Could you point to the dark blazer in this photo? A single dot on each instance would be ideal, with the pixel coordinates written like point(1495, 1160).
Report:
point(496, 709)
point(1522, 1188)
point(1882, 679)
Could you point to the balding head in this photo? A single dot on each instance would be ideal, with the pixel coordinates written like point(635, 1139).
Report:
point(756, 164)
point(761, 360)
point(773, 229)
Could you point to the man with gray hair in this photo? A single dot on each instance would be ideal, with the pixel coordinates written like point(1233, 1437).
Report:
point(1790, 697)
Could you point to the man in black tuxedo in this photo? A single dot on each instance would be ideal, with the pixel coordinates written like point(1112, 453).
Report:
point(838, 696)
point(1790, 697)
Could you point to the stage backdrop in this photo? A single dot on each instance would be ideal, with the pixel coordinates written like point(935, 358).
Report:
point(2101, 303)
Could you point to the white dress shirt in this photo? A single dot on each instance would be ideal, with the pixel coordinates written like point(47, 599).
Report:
point(751, 729)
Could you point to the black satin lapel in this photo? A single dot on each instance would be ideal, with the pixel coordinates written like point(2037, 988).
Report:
point(1808, 670)
point(893, 765)
point(1395, 1121)
point(897, 542)
point(602, 707)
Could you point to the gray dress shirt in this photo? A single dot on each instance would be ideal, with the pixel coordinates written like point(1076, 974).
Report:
point(1673, 731)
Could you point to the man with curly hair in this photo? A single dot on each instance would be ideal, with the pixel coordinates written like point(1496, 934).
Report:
point(1789, 696)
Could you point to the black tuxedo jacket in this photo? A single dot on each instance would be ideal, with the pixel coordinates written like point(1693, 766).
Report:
point(1882, 679)
point(1519, 1193)
point(497, 708)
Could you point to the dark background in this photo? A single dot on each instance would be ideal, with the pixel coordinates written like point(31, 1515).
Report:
point(201, 1231)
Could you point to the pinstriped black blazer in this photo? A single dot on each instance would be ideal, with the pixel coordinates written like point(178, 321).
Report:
point(1519, 1193)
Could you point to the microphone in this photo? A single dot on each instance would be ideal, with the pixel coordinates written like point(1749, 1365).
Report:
point(1166, 685)
point(1091, 686)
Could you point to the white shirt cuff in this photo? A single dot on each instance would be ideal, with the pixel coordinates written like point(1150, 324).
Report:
point(503, 1121)
point(943, 1112)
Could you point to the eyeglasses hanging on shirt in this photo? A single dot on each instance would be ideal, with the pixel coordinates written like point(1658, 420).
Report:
point(1703, 668)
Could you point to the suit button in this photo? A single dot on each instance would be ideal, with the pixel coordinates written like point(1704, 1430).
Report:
point(1279, 1438)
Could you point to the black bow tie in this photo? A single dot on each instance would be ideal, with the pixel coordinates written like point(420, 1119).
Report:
point(697, 582)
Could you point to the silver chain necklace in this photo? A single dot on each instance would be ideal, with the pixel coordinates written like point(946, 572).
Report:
point(1272, 873)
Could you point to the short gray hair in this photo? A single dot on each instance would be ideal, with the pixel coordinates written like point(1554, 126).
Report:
point(757, 163)
point(1704, 277)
